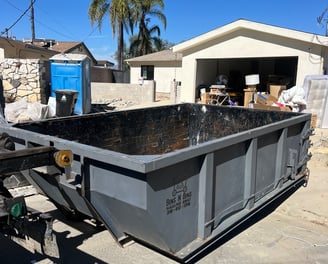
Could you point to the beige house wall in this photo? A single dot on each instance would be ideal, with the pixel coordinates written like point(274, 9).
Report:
point(164, 74)
point(17, 49)
point(250, 44)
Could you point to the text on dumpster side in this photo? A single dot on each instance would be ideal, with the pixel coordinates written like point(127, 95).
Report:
point(180, 198)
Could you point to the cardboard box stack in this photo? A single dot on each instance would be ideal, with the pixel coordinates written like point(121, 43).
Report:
point(270, 101)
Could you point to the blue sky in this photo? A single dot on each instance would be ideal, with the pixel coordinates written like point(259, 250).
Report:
point(68, 20)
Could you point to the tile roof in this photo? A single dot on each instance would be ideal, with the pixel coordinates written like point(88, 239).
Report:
point(65, 47)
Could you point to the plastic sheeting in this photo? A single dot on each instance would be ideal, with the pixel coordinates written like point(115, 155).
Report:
point(22, 111)
point(294, 97)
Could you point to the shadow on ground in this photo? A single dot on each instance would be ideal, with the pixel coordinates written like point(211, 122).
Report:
point(59, 248)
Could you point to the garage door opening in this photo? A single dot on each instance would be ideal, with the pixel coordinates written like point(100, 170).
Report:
point(272, 71)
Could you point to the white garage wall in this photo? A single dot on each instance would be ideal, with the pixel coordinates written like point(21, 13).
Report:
point(250, 44)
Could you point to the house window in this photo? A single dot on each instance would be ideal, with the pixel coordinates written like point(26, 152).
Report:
point(147, 72)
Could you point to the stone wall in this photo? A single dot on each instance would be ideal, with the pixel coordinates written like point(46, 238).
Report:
point(25, 78)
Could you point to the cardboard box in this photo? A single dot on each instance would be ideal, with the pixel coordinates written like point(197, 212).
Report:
point(265, 99)
point(270, 107)
point(272, 98)
point(248, 93)
point(205, 98)
point(265, 107)
point(260, 99)
point(313, 120)
point(275, 90)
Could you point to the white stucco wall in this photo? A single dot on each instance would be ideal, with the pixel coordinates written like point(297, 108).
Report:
point(250, 44)
point(135, 73)
point(164, 74)
point(164, 77)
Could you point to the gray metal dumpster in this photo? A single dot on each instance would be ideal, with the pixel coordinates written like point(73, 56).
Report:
point(173, 177)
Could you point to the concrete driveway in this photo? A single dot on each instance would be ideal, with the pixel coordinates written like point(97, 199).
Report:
point(294, 232)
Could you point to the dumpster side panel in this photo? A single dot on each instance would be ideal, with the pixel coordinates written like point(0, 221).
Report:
point(266, 164)
point(176, 190)
point(157, 208)
point(229, 180)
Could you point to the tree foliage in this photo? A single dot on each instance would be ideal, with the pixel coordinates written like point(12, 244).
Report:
point(120, 15)
point(148, 38)
point(128, 15)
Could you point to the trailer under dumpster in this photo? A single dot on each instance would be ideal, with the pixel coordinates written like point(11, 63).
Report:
point(15, 216)
point(176, 178)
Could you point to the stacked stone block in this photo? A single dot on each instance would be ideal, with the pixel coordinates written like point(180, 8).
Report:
point(24, 78)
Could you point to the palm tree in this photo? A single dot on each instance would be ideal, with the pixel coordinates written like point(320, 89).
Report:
point(120, 15)
point(145, 42)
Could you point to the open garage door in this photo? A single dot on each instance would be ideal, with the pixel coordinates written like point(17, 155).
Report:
point(272, 71)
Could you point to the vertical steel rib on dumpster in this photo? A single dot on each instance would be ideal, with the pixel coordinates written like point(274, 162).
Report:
point(205, 198)
point(250, 174)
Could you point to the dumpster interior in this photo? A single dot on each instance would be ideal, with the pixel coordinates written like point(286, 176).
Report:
point(156, 130)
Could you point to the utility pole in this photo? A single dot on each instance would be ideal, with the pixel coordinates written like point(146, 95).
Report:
point(32, 21)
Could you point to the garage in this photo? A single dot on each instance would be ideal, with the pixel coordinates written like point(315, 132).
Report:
point(273, 70)
point(280, 56)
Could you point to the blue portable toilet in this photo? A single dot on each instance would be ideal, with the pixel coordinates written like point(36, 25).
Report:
point(72, 72)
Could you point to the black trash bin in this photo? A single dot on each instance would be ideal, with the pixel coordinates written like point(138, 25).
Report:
point(65, 102)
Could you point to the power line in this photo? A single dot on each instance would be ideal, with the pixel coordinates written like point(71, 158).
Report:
point(60, 25)
point(45, 25)
point(17, 20)
point(54, 30)
point(41, 23)
point(90, 34)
